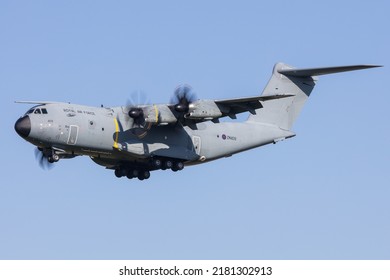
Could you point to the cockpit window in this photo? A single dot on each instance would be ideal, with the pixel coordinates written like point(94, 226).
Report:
point(36, 110)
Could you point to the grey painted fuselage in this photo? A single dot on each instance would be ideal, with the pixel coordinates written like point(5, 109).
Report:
point(95, 132)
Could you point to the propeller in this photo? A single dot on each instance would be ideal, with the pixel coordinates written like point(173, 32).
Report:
point(137, 114)
point(183, 96)
point(42, 159)
point(134, 104)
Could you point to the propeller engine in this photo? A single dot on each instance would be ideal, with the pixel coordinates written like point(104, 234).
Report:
point(136, 112)
point(182, 98)
point(45, 158)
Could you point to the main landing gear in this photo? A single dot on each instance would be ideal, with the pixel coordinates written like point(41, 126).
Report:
point(132, 173)
point(143, 173)
point(168, 164)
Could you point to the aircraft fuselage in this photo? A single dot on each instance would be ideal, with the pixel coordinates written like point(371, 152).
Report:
point(105, 134)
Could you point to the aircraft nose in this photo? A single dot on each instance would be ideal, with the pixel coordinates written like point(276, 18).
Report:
point(23, 126)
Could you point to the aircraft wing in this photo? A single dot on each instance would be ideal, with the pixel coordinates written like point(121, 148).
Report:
point(230, 107)
point(39, 102)
point(206, 110)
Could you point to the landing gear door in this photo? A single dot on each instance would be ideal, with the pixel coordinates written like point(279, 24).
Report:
point(73, 134)
point(197, 144)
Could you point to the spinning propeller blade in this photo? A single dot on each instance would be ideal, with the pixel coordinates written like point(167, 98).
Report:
point(183, 96)
point(42, 159)
point(139, 126)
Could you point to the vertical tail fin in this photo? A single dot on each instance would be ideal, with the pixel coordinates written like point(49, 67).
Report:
point(298, 83)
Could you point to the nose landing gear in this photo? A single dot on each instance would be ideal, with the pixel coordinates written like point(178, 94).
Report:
point(53, 157)
point(46, 156)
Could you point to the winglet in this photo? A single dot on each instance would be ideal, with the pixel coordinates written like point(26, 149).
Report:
point(307, 72)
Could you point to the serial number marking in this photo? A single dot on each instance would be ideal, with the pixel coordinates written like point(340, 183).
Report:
point(242, 270)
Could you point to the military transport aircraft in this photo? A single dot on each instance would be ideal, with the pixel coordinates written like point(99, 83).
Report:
point(135, 139)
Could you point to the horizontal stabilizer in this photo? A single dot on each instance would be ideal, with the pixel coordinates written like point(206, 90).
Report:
point(307, 72)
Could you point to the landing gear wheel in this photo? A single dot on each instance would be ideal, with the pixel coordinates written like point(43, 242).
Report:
point(132, 174)
point(135, 173)
point(50, 159)
point(168, 164)
point(146, 174)
point(118, 173)
point(179, 165)
point(55, 157)
point(157, 163)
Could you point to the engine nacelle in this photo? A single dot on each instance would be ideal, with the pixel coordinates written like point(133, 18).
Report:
point(159, 114)
point(203, 109)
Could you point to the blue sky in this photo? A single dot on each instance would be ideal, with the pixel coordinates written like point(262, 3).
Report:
point(323, 194)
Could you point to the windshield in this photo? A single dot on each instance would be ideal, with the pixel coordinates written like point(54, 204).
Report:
point(36, 110)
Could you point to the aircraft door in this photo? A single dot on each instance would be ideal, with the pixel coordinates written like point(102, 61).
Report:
point(196, 141)
point(73, 134)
